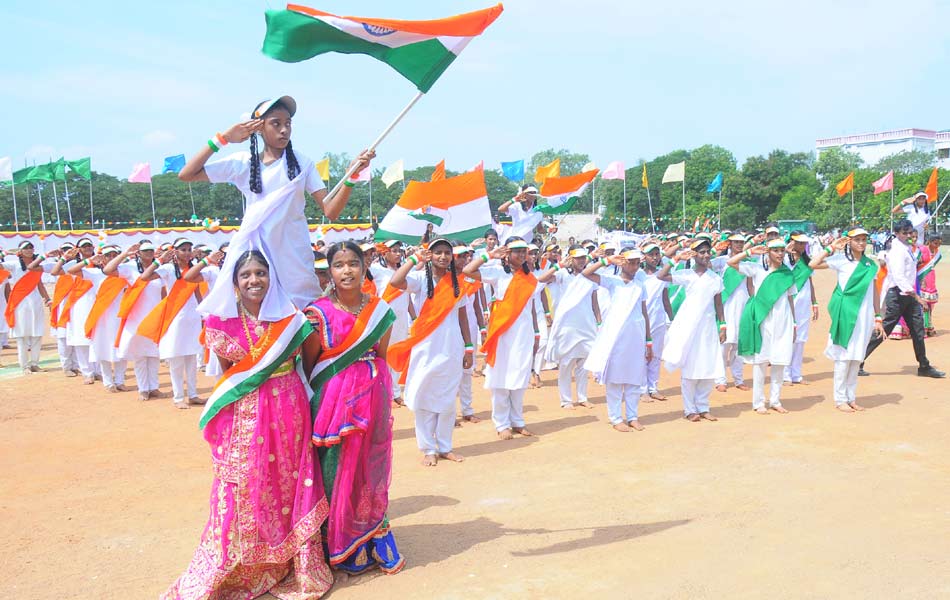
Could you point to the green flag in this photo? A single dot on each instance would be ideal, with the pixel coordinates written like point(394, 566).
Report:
point(22, 176)
point(58, 170)
point(81, 167)
point(40, 173)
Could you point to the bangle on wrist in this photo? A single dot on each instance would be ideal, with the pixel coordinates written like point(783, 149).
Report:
point(349, 183)
point(748, 253)
point(603, 261)
point(204, 261)
point(85, 261)
point(814, 304)
point(213, 146)
point(556, 267)
point(829, 250)
point(61, 260)
point(413, 259)
point(156, 263)
point(220, 140)
point(483, 255)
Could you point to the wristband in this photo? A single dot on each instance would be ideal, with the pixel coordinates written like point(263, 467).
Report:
point(748, 253)
point(469, 349)
point(156, 263)
point(412, 257)
point(877, 316)
point(204, 261)
point(41, 257)
point(603, 261)
point(547, 313)
point(85, 261)
point(61, 259)
point(829, 250)
point(349, 183)
point(649, 344)
point(599, 323)
point(720, 323)
point(213, 146)
point(220, 140)
point(482, 330)
point(556, 267)
point(814, 304)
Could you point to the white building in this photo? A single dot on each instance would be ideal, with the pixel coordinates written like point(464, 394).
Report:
point(872, 147)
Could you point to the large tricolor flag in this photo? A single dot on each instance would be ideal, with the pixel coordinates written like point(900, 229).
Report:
point(419, 50)
point(457, 207)
point(560, 193)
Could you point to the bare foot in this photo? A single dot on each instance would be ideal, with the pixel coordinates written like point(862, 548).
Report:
point(585, 404)
point(844, 408)
point(658, 396)
point(721, 387)
point(505, 434)
point(181, 405)
point(646, 398)
point(692, 418)
point(522, 431)
point(452, 456)
point(458, 422)
point(535, 380)
point(780, 409)
point(801, 382)
point(471, 419)
point(397, 402)
point(430, 460)
point(567, 406)
point(622, 427)
point(742, 386)
point(762, 411)
point(635, 424)
point(708, 416)
point(855, 406)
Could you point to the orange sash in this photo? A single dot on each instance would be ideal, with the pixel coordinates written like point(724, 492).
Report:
point(4, 274)
point(369, 287)
point(391, 293)
point(126, 305)
point(21, 289)
point(879, 279)
point(64, 285)
point(79, 289)
point(109, 290)
point(156, 323)
point(434, 311)
point(506, 311)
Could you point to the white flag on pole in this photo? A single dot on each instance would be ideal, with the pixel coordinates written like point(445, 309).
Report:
point(393, 173)
point(675, 172)
point(6, 168)
point(588, 167)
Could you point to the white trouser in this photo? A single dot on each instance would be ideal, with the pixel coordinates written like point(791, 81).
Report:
point(507, 408)
point(434, 431)
point(4, 337)
point(653, 367)
point(200, 360)
point(758, 385)
point(622, 393)
point(465, 393)
point(793, 372)
point(538, 363)
point(28, 351)
point(732, 362)
point(846, 381)
point(397, 389)
point(565, 369)
point(88, 369)
point(113, 373)
point(67, 355)
point(146, 373)
point(183, 370)
point(696, 395)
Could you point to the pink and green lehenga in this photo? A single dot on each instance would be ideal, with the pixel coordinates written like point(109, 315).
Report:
point(267, 493)
point(353, 433)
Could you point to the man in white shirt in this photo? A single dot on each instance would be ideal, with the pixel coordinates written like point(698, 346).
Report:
point(522, 209)
point(901, 299)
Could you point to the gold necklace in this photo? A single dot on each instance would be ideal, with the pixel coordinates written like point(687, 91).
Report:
point(343, 307)
point(258, 330)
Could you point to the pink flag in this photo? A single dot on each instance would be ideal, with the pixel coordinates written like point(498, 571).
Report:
point(364, 175)
point(884, 184)
point(141, 173)
point(480, 166)
point(614, 170)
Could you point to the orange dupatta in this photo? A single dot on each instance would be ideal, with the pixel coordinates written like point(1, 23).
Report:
point(391, 293)
point(108, 292)
point(434, 311)
point(64, 285)
point(369, 287)
point(506, 311)
point(126, 305)
point(80, 287)
point(4, 274)
point(156, 323)
point(21, 289)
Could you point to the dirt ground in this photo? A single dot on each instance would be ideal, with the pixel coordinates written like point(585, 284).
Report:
point(103, 496)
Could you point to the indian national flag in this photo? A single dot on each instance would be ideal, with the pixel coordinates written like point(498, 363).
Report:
point(560, 193)
point(420, 50)
point(456, 207)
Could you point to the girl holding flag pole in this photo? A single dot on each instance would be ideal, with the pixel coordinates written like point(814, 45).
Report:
point(510, 342)
point(855, 311)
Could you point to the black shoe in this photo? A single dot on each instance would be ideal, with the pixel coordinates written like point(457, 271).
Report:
point(862, 373)
point(929, 371)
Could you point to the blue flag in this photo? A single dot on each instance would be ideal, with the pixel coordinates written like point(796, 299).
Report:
point(716, 184)
point(513, 170)
point(174, 164)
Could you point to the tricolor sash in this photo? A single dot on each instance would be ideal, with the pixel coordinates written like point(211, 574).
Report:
point(433, 313)
point(844, 304)
point(109, 290)
point(64, 285)
point(127, 303)
point(248, 374)
point(506, 311)
point(922, 271)
point(371, 325)
point(369, 286)
point(156, 323)
point(771, 290)
point(21, 289)
point(79, 289)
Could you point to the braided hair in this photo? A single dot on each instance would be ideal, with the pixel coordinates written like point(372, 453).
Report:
point(430, 284)
point(293, 167)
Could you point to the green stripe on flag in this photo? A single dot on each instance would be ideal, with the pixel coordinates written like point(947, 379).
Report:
point(467, 235)
point(560, 209)
point(429, 218)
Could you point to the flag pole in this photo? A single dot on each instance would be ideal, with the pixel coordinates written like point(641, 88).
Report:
point(152, 196)
point(625, 201)
point(891, 228)
point(39, 193)
point(193, 211)
point(719, 218)
point(370, 196)
point(59, 222)
point(593, 196)
point(29, 209)
point(92, 221)
point(382, 136)
point(16, 219)
point(684, 202)
point(69, 207)
point(852, 205)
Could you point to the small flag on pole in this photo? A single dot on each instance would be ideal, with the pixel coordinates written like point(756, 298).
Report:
point(393, 173)
point(323, 169)
point(480, 166)
point(81, 167)
point(716, 184)
point(514, 170)
point(846, 185)
point(588, 167)
point(931, 189)
point(174, 164)
point(560, 193)
point(141, 173)
point(675, 172)
point(439, 173)
point(6, 168)
point(614, 170)
point(884, 184)
point(643, 179)
point(552, 169)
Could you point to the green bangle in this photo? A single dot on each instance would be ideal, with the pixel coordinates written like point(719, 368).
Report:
point(204, 261)
point(349, 183)
point(748, 253)
point(720, 323)
point(156, 263)
point(603, 261)
point(211, 144)
point(412, 257)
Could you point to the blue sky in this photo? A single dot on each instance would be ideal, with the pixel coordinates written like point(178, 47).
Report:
point(133, 82)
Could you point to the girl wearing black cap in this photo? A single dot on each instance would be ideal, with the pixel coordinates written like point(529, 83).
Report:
point(259, 173)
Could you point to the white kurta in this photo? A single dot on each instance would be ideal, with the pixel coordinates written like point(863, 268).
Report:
point(692, 342)
point(864, 326)
point(803, 312)
point(919, 219)
point(76, 326)
point(515, 353)
point(30, 315)
point(294, 270)
point(575, 326)
point(132, 346)
point(778, 328)
point(435, 364)
point(102, 346)
point(4, 328)
point(181, 339)
point(523, 222)
point(623, 336)
point(653, 294)
point(732, 310)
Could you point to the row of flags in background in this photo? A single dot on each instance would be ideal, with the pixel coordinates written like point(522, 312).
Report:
point(886, 184)
point(51, 171)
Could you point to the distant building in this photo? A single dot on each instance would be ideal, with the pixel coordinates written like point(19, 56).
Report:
point(872, 147)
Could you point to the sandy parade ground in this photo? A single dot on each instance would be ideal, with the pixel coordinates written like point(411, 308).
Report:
point(104, 496)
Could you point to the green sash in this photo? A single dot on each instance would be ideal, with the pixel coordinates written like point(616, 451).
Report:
point(731, 278)
point(772, 289)
point(677, 293)
point(844, 305)
point(801, 273)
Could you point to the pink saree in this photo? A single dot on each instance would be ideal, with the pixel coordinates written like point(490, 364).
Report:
point(267, 499)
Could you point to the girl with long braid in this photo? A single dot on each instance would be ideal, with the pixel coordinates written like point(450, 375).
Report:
point(281, 175)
